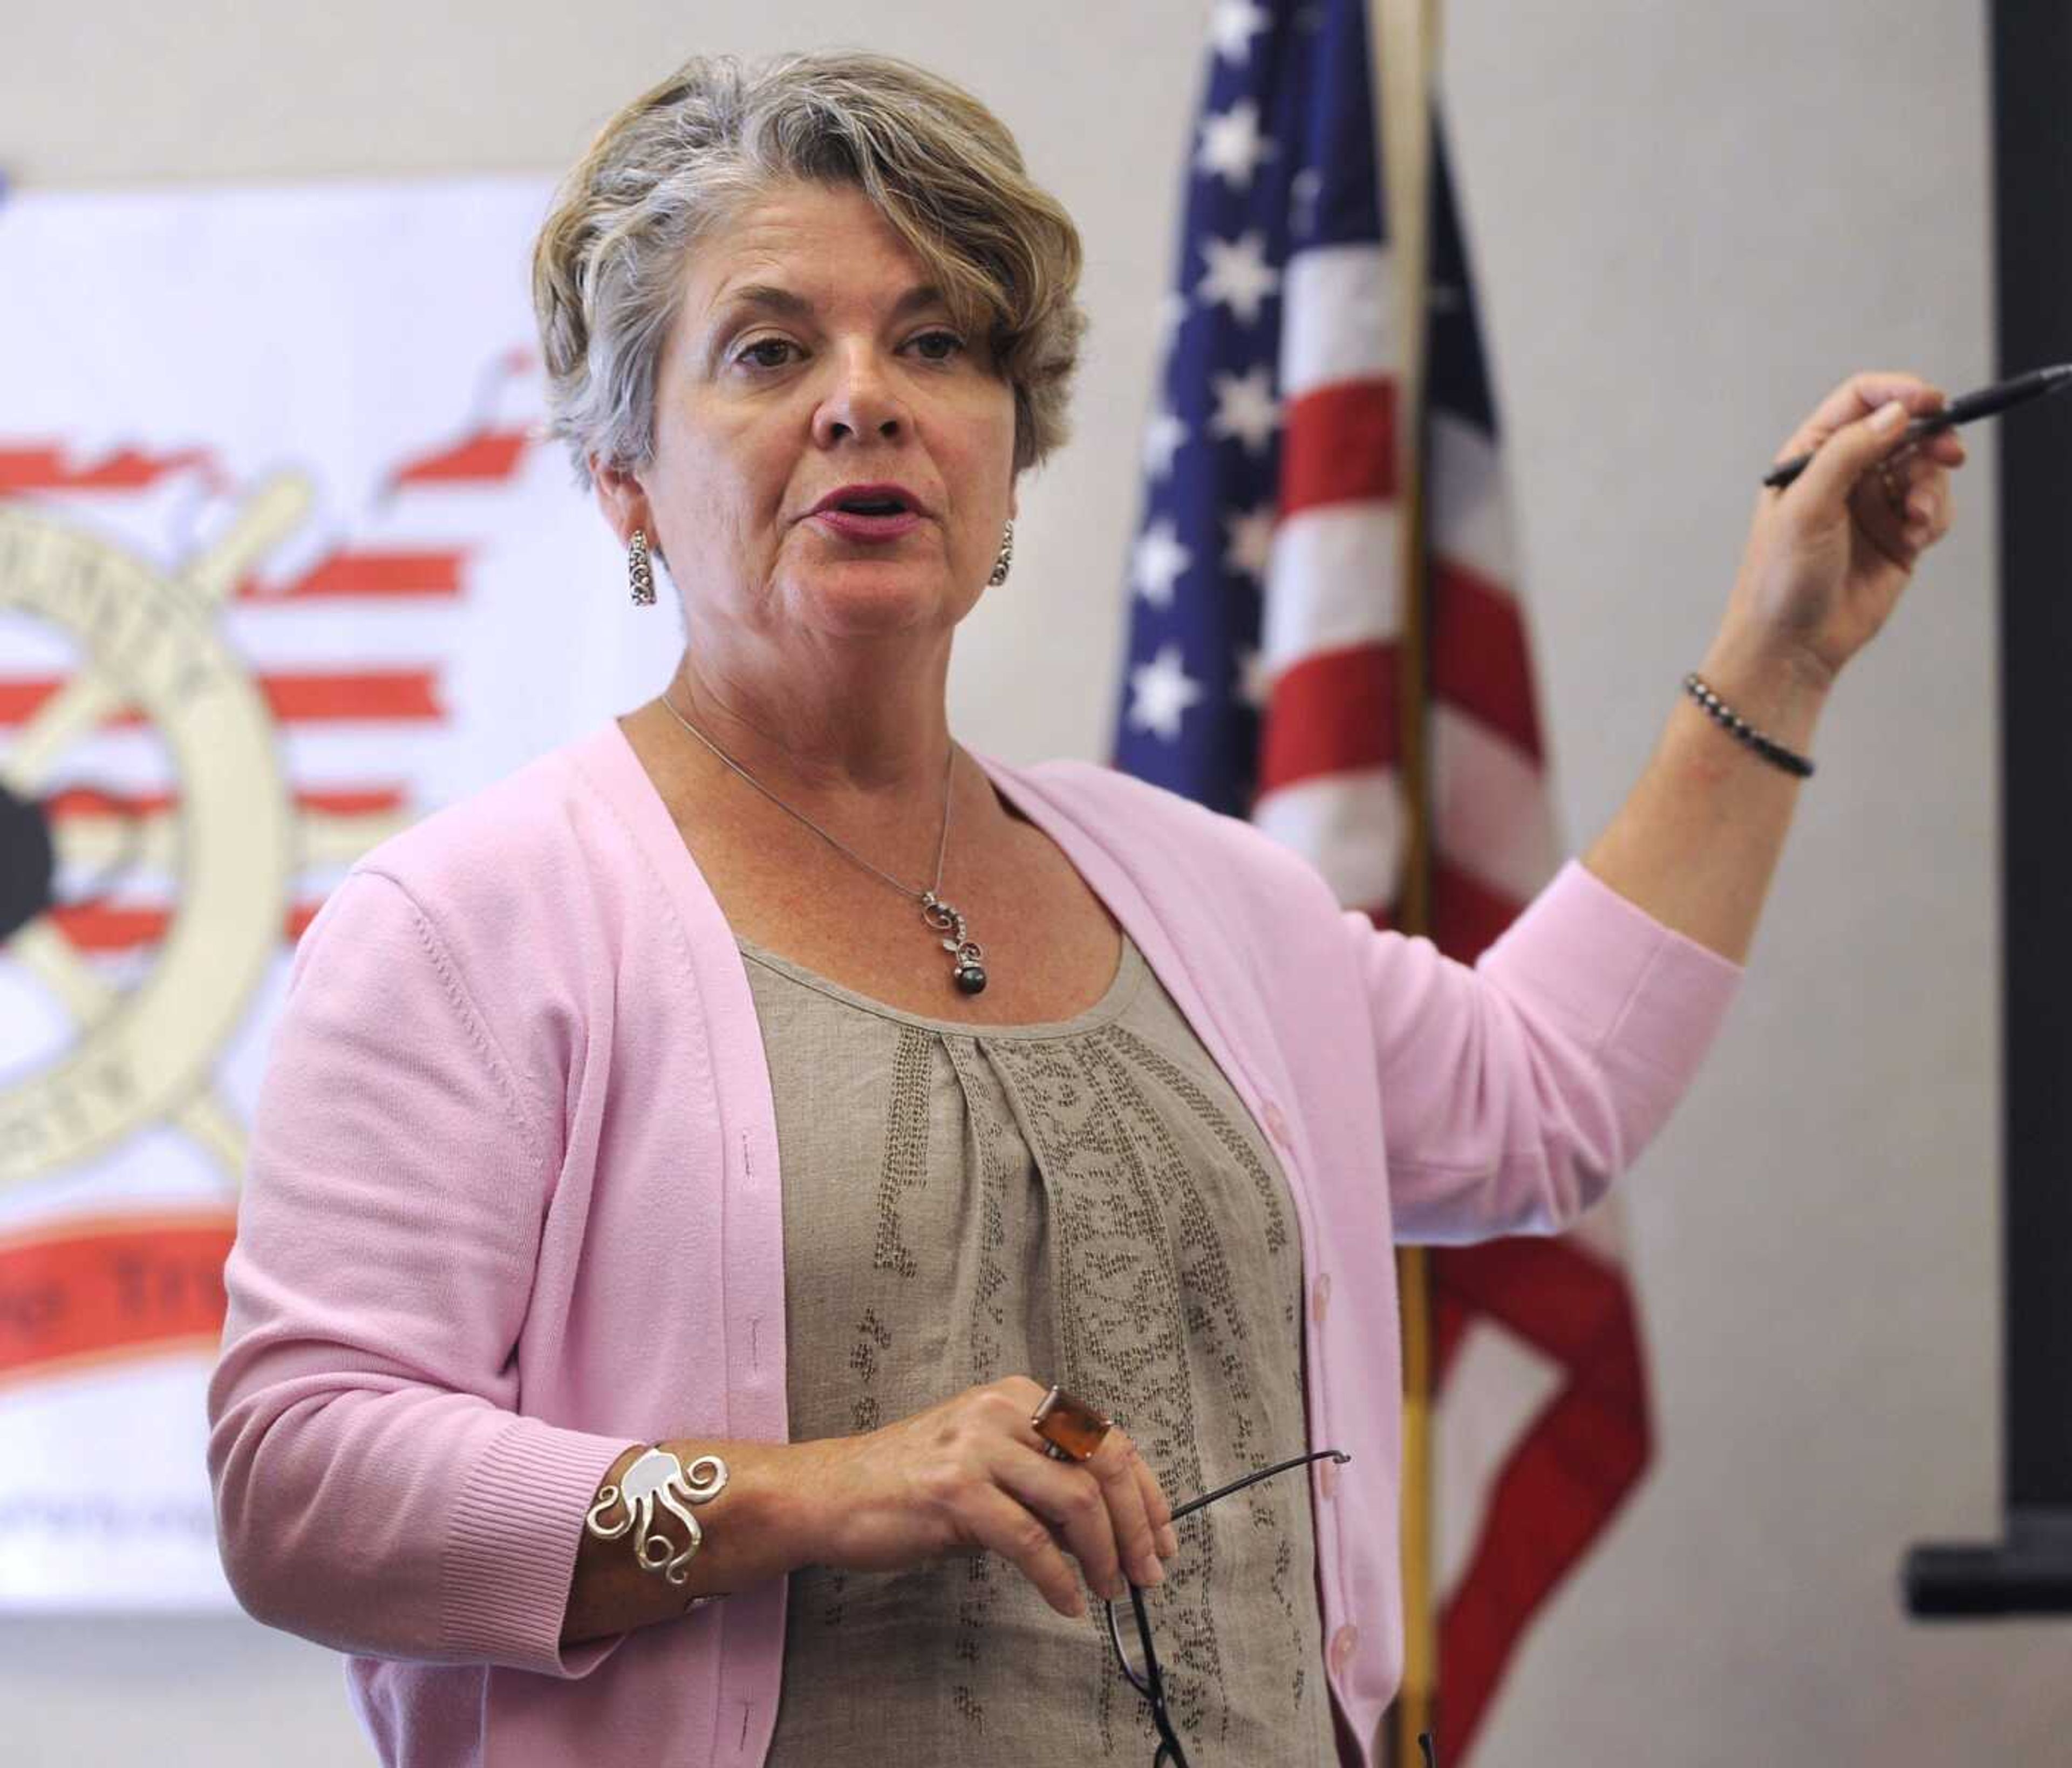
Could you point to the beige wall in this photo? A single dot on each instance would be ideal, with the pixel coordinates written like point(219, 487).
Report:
point(1690, 221)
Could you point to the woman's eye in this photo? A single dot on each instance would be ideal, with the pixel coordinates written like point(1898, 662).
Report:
point(938, 346)
point(765, 352)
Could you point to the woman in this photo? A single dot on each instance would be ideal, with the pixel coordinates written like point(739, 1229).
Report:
point(626, 1125)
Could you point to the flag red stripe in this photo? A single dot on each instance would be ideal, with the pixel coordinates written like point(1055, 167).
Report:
point(1550, 1292)
point(93, 927)
point(1554, 1499)
point(490, 457)
point(84, 801)
point(1339, 445)
point(1466, 914)
point(98, 928)
point(1329, 712)
point(1572, 1468)
point(370, 574)
point(403, 693)
point(367, 801)
point(294, 699)
point(21, 700)
point(1480, 658)
point(46, 469)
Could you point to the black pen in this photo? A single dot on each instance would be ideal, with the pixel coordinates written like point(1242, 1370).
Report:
point(1987, 402)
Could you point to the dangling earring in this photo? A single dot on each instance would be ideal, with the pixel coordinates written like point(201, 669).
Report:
point(638, 570)
point(1005, 562)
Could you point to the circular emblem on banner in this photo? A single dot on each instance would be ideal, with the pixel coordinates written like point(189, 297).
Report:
point(148, 645)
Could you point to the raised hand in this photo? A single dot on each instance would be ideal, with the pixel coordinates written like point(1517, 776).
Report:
point(1828, 556)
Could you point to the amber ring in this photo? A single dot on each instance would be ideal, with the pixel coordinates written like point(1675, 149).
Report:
point(1070, 1426)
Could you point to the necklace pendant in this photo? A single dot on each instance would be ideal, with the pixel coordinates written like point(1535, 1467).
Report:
point(967, 969)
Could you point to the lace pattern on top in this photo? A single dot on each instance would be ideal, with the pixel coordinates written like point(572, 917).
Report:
point(1087, 1202)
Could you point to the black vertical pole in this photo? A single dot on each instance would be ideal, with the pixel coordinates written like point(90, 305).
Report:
point(2033, 180)
point(2030, 1570)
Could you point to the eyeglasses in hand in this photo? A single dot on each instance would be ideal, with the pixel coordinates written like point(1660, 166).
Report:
point(1147, 1677)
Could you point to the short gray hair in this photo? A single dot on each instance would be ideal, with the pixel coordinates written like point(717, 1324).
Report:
point(714, 137)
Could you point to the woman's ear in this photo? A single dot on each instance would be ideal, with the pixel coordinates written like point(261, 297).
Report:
point(624, 500)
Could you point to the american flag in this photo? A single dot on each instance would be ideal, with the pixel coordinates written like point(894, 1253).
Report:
point(1267, 676)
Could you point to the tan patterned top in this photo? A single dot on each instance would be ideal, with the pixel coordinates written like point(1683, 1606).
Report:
point(1086, 1201)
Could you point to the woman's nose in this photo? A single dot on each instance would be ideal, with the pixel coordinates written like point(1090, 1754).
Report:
point(862, 403)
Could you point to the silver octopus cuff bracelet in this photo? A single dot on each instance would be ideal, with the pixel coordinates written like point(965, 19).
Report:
point(659, 1477)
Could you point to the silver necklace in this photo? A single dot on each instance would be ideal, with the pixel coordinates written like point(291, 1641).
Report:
point(967, 970)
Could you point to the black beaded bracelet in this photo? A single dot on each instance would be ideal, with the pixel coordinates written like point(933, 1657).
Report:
point(1742, 731)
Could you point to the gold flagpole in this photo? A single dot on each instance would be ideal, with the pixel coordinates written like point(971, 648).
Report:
point(1402, 37)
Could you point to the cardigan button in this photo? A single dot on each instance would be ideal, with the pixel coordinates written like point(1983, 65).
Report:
point(1320, 1298)
point(1327, 1477)
point(1277, 1124)
point(1344, 1643)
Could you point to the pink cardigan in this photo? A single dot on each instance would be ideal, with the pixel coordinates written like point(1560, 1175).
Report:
point(513, 1204)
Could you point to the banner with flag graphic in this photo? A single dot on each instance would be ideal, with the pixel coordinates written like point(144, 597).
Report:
point(1291, 658)
point(283, 565)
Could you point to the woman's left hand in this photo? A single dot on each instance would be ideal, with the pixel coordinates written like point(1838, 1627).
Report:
point(1697, 841)
point(1828, 556)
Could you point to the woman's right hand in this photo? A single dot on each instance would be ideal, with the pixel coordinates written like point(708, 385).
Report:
point(971, 1475)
